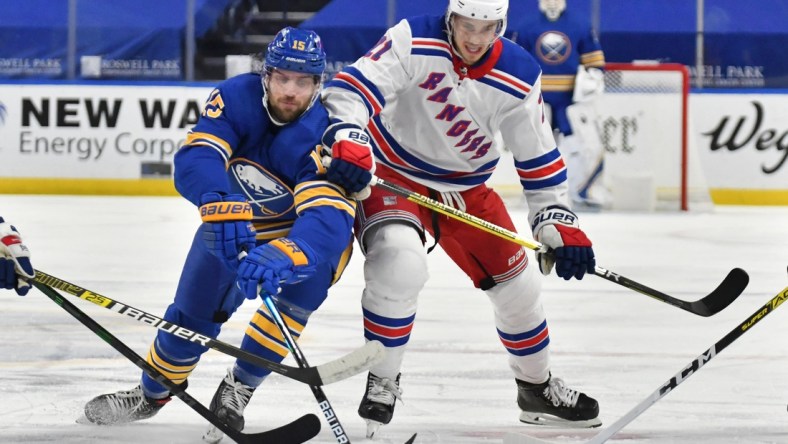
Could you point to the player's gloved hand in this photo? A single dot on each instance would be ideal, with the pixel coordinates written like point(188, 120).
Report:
point(281, 261)
point(226, 228)
point(348, 156)
point(569, 248)
point(15, 266)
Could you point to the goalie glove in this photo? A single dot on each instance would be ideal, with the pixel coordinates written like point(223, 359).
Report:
point(589, 84)
point(15, 265)
point(281, 261)
point(569, 249)
point(226, 229)
point(347, 155)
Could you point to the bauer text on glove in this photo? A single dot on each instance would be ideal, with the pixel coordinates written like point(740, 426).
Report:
point(281, 261)
point(226, 228)
point(569, 248)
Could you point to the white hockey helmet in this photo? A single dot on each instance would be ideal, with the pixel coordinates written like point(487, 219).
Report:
point(552, 9)
point(480, 10)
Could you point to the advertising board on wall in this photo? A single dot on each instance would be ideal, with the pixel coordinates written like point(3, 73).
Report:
point(94, 132)
point(67, 133)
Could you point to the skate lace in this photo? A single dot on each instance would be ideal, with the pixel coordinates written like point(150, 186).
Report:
point(236, 395)
point(559, 394)
point(127, 402)
point(383, 390)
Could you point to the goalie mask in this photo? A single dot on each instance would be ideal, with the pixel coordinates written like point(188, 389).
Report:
point(552, 9)
point(478, 10)
point(292, 54)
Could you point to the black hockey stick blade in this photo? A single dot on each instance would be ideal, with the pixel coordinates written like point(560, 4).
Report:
point(729, 289)
point(299, 431)
point(357, 361)
point(412, 439)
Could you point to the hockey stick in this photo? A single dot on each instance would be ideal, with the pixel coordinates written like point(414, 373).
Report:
point(731, 287)
point(349, 365)
point(320, 396)
point(301, 430)
point(674, 381)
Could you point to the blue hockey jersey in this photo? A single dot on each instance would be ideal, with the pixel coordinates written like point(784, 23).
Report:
point(236, 149)
point(559, 47)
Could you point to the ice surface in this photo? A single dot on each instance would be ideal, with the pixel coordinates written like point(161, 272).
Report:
point(611, 342)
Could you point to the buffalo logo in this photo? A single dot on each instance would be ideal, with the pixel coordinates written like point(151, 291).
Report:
point(268, 196)
point(553, 47)
point(3, 114)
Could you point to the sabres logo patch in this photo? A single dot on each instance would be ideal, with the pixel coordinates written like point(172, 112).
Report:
point(269, 196)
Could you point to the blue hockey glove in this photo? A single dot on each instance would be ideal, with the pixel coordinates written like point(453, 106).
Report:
point(15, 266)
point(348, 156)
point(569, 248)
point(226, 228)
point(281, 261)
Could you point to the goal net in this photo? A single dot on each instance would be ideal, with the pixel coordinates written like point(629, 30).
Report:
point(644, 124)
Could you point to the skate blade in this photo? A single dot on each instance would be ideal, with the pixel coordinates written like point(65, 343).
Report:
point(213, 435)
point(554, 421)
point(372, 428)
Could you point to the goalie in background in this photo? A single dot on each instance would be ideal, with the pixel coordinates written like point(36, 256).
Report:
point(572, 81)
point(251, 166)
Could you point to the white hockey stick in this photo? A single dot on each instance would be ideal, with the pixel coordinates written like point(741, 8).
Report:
point(673, 382)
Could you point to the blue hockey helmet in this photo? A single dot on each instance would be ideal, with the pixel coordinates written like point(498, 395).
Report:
point(297, 50)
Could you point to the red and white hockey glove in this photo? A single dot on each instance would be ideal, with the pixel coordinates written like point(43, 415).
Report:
point(569, 248)
point(15, 266)
point(347, 155)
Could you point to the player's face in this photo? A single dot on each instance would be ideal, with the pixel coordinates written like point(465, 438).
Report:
point(289, 93)
point(473, 37)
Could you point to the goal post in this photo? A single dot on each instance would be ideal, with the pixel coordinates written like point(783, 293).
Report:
point(644, 123)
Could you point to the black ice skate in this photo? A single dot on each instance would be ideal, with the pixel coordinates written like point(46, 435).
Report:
point(123, 407)
point(377, 405)
point(229, 403)
point(553, 403)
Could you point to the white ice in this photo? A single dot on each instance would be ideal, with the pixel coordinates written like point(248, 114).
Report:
point(613, 343)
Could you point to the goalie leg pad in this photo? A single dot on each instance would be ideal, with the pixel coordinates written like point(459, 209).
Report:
point(395, 271)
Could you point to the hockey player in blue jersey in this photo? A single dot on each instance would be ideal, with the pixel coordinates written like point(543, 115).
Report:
point(436, 100)
point(572, 80)
point(15, 266)
point(251, 167)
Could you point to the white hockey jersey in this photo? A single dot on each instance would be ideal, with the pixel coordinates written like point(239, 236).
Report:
point(443, 123)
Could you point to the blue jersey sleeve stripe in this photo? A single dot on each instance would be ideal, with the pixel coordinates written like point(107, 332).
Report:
point(545, 183)
point(353, 89)
point(431, 53)
point(538, 162)
point(501, 86)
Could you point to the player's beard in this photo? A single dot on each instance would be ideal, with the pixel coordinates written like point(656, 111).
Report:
point(287, 109)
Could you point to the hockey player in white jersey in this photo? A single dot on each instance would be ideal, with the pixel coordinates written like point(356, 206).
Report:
point(15, 266)
point(436, 100)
